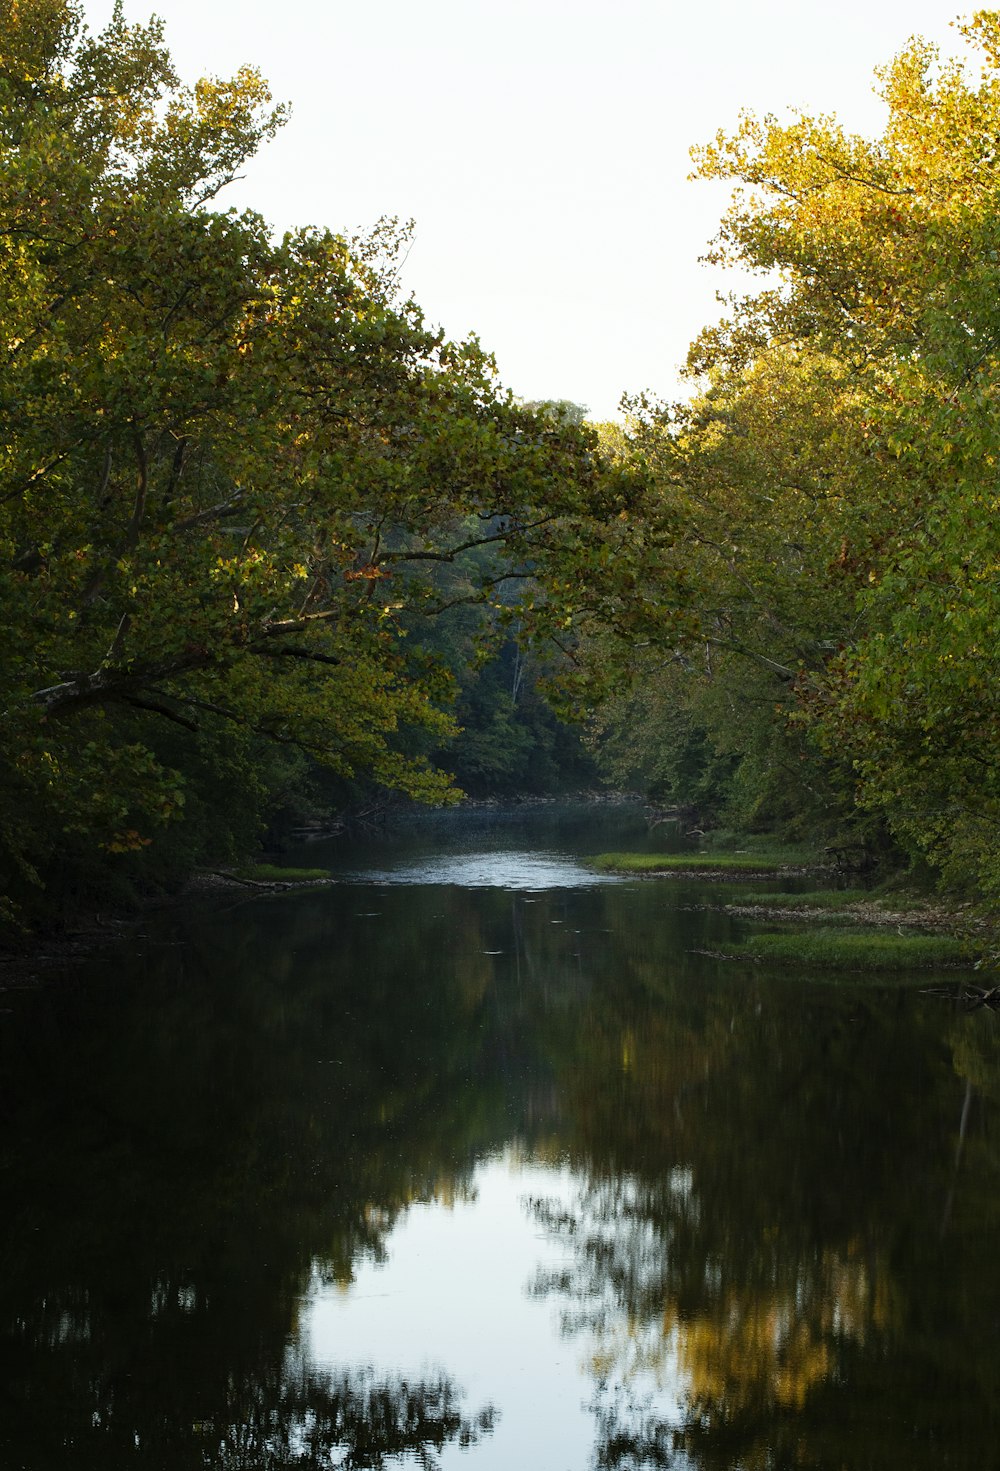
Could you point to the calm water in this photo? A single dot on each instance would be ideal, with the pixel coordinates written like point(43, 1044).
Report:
point(472, 1161)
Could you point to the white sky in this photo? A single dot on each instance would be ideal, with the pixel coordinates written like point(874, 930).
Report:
point(542, 148)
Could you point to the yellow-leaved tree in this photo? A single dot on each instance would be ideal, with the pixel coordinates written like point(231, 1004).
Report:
point(834, 486)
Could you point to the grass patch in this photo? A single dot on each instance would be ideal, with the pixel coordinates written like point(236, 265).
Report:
point(694, 863)
point(759, 845)
point(865, 951)
point(814, 899)
point(273, 873)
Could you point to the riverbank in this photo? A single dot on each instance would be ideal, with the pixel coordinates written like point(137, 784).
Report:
point(37, 955)
point(725, 857)
point(859, 907)
point(847, 929)
point(858, 930)
point(716, 868)
point(761, 881)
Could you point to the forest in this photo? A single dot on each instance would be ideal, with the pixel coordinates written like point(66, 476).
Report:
point(272, 546)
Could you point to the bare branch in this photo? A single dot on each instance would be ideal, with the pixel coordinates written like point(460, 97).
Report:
point(296, 652)
point(296, 625)
point(107, 686)
point(141, 491)
point(451, 553)
point(105, 475)
point(205, 705)
point(155, 708)
point(37, 475)
point(211, 513)
point(177, 465)
point(433, 609)
point(118, 640)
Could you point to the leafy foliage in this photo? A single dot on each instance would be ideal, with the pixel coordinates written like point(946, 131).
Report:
point(231, 468)
point(827, 502)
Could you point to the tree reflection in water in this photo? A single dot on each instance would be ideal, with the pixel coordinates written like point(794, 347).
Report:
point(183, 1158)
point(781, 1250)
point(299, 1417)
point(354, 1421)
point(780, 1242)
point(666, 1377)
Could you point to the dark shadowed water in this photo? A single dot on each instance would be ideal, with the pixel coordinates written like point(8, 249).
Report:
point(474, 1161)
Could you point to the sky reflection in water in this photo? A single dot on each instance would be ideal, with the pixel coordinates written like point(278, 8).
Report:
point(459, 1292)
point(505, 869)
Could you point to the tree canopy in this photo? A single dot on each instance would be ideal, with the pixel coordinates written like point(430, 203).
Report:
point(255, 510)
point(830, 487)
point(239, 475)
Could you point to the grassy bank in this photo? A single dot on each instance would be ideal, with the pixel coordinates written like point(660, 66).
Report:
point(851, 929)
point(826, 900)
point(273, 873)
point(874, 950)
point(763, 862)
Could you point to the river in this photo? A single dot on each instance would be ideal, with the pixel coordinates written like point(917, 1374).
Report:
point(475, 1160)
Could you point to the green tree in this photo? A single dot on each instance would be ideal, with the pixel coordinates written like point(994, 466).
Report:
point(757, 539)
point(230, 463)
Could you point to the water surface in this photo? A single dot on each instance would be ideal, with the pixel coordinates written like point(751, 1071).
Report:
point(471, 1160)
